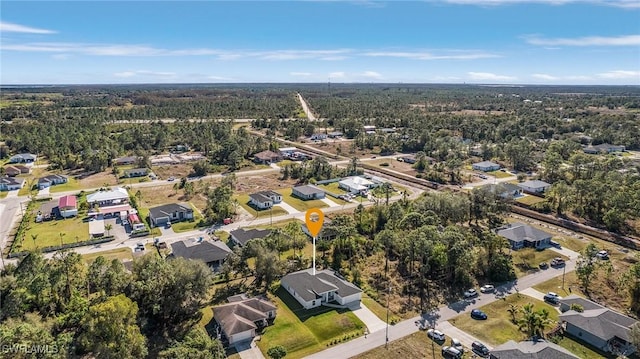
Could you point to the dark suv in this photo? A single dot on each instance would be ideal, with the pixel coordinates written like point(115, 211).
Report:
point(480, 349)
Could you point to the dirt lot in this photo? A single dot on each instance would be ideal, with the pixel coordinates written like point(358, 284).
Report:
point(345, 146)
point(177, 171)
point(395, 165)
point(95, 180)
point(251, 184)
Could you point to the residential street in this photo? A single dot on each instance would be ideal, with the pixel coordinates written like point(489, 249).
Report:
point(442, 314)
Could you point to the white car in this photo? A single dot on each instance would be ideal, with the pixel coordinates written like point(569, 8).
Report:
point(603, 255)
point(435, 334)
point(487, 288)
point(456, 344)
point(470, 293)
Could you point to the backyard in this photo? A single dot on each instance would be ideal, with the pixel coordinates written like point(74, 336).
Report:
point(498, 328)
point(303, 332)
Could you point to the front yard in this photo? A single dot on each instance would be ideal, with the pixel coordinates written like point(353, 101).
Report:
point(243, 200)
point(71, 185)
point(498, 328)
point(299, 204)
point(303, 332)
point(49, 233)
point(526, 260)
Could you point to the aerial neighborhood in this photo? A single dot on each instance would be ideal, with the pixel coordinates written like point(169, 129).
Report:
point(455, 231)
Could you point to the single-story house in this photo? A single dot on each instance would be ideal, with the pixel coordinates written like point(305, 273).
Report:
point(521, 235)
point(318, 136)
point(213, 253)
point(136, 172)
point(116, 196)
point(485, 166)
point(11, 183)
point(326, 233)
point(242, 236)
point(535, 186)
point(369, 128)
point(23, 169)
point(51, 180)
point(603, 148)
point(388, 130)
point(307, 192)
point(126, 160)
point(287, 151)
point(11, 171)
point(239, 320)
point(505, 190)
point(335, 134)
point(172, 212)
point(267, 157)
point(68, 206)
point(355, 184)
point(264, 199)
point(598, 326)
point(96, 228)
point(531, 349)
point(410, 159)
point(23, 158)
point(325, 286)
point(48, 210)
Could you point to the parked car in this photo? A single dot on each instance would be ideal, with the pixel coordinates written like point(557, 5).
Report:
point(435, 334)
point(543, 265)
point(168, 225)
point(456, 344)
point(557, 262)
point(451, 352)
point(170, 179)
point(478, 314)
point(555, 244)
point(480, 349)
point(604, 255)
point(470, 293)
point(487, 288)
point(139, 247)
point(552, 298)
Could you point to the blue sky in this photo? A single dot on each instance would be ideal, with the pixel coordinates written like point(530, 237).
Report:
point(446, 41)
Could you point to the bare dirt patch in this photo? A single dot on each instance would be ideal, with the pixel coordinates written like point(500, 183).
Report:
point(394, 165)
point(332, 146)
point(95, 180)
point(251, 184)
point(178, 171)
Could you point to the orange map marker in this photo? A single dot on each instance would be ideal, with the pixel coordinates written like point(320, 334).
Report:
point(314, 228)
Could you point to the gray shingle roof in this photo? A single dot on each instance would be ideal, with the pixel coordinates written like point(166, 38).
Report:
point(308, 190)
point(486, 164)
point(238, 317)
point(167, 209)
point(534, 184)
point(602, 322)
point(518, 232)
point(585, 303)
point(206, 251)
point(531, 350)
point(243, 236)
point(310, 287)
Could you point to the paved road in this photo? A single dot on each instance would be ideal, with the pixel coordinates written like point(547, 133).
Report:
point(305, 108)
point(465, 338)
point(444, 313)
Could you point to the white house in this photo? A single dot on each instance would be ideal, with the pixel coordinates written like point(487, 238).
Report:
point(485, 166)
point(265, 199)
point(51, 180)
point(308, 192)
point(23, 158)
point(535, 186)
point(112, 197)
point(11, 183)
point(325, 286)
point(355, 184)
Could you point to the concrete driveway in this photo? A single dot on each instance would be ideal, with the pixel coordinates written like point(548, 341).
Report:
point(330, 202)
point(287, 207)
point(249, 350)
point(464, 338)
point(369, 319)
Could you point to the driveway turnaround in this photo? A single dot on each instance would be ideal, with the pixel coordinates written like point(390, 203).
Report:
point(464, 338)
point(369, 319)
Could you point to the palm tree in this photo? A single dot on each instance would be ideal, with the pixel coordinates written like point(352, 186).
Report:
point(354, 165)
point(108, 227)
point(513, 310)
point(34, 237)
point(528, 321)
point(62, 234)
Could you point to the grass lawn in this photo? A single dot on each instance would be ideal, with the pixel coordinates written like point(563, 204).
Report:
point(186, 226)
point(530, 200)
point(303, 332)
point(555, 285)
point(299, 204)
point(499, 174)
point(498, 328)
point(71, 185)
point(378, 309)
point(207, 316)
point(416, 345)
point(582, 350)
point(120, 253)
point(48, 233)
point(279, 224)
point(333, 188)
point(243, 200)
point(24, 191)
point(3, 194)
point(526, 260)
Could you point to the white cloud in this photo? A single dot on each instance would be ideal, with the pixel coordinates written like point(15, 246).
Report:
point(302, 74)
point(60, 56)
point(456, 55)
point(488, 76)
point(337, 75)
point(620, 74)
point(219, 78)
point(147, 73)
point(545, 77)
point(9, 27)
point(372, 75)
point(626, 40)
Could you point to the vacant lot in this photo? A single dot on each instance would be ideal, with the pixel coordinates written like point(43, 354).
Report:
point(120, 253)
point(303, 332)
point(526, 260)
point(49, 233)
point(95, 180)
point(498, 328)
point(394, 165)
point(530, 200)
point(499, 174)
point(178, 171)
point(71, 185)
point(270, 181)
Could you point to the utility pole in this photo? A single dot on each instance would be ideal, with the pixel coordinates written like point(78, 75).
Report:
point(386, 343)
point(564, 271)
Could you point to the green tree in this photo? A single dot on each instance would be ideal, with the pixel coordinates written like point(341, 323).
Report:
point(197, 344)
point(268, 267)
point(33, 331)
point(587, 266)
point(108, 227)
point(513, 311)
point(109, 330)
point(277, 352)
